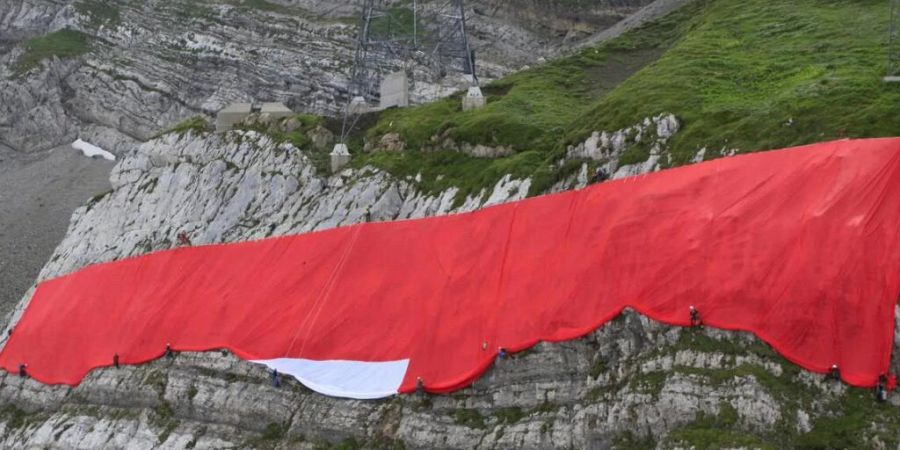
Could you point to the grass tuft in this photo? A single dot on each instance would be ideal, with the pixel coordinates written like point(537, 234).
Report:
point(196, 124)
point(62, 44)
point(470, 418)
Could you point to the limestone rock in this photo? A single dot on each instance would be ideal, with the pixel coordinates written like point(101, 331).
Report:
point(391, 142)
point(607, 148)
point(321, 137)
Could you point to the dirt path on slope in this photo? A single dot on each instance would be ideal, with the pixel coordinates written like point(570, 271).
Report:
point(649, 13)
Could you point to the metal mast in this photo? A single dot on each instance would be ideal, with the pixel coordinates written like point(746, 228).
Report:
point(381, 41)
point(893, 67)
point(393, 37)
point(449, 45)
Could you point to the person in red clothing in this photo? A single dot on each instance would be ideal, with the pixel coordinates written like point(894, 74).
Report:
point(834, 373)
point(695, 317)
point(420, 386)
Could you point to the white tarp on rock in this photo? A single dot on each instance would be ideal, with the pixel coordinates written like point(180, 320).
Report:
point(349, 379)
point(91, 150)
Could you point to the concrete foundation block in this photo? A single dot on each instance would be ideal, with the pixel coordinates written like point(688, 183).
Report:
point(473, 99)
point(395, 90)
point(232, 115)
point(275, 111)
point(340, 157)
point(358, 105)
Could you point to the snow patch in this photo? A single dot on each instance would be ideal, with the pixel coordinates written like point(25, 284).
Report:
point(91, 150)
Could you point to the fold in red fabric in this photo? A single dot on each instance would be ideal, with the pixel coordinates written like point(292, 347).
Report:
point(798, 246)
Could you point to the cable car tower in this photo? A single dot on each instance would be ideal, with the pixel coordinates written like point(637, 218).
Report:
point(893, 73)
point(396, 37)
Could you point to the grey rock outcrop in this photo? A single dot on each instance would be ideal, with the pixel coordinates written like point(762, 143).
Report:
point(32, 111)
point(648, 140)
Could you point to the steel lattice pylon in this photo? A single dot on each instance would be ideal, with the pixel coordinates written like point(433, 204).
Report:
point(396, 37)
point(893, 71)
point(448, 43)
point(381, 41)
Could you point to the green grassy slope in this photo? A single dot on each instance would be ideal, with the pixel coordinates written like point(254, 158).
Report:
point(745, 69)
point(529, 111)
point(744, 74)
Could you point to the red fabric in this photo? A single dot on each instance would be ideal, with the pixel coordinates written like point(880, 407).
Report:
point(799, 246)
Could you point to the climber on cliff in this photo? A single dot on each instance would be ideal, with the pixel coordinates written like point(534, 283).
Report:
point(501, 353)
point(368, 214)
point(275, 381)
point(169, 353)
point(600, 176)
point(23, 370)
point(881, 393)
point(420, 386)
point(116, 360)
point(695, 317)
point(834, 373)
point(183, 239)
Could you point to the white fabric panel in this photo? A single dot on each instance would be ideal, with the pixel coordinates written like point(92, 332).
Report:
point(350, 379)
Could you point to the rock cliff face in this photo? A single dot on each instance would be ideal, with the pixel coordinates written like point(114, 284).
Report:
point(154, 63)
point(633, 383)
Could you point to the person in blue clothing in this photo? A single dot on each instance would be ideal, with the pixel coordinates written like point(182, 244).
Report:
point(834, 373)
point(881, 392)
point(600, 176)
point(275, 381)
